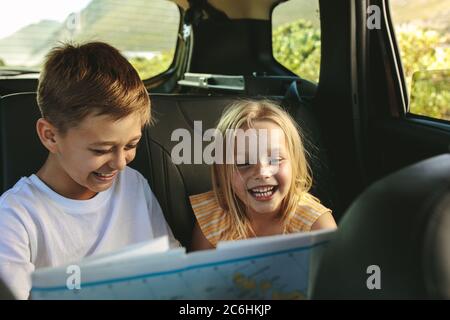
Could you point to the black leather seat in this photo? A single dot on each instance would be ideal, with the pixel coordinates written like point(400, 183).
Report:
point(5, 293)
point(22, 153)
point(21, 150)
point(173, 184)
point(400, 224)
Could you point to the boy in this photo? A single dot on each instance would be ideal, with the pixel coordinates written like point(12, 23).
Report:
point(84, 200)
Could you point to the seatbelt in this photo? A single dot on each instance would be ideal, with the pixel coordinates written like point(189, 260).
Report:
point(299, 106)
point(293, 97)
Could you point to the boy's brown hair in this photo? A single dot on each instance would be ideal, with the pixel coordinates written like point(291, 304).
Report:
point(93, 78)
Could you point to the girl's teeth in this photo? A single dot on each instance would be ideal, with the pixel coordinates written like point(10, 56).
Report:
point(104, 175)
point(260, 190)
point(263, 194)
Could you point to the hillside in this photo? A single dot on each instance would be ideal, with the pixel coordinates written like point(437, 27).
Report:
point(296, 9)
point(435, 13)
point(22, 45)
point(151, 26)
point(135, 25)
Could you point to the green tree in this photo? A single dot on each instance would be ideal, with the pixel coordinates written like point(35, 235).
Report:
point(296, 45)
point(430, 94)
point(424, 49)
point(2, 63)
point(148, 68)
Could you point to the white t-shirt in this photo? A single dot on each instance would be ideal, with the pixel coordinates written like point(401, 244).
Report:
point(40, 228)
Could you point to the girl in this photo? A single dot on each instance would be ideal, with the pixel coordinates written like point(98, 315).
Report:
point(258, 198)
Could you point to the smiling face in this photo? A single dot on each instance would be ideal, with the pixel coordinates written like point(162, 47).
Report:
point(263, 186)
point(87, 158)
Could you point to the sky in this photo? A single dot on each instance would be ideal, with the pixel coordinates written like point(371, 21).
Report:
point(15, 14)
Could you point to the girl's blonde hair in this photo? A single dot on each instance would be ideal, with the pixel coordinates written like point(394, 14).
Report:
point(241, 115)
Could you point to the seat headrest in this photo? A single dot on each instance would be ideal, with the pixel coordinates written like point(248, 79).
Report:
point(5, 292)
point(21, 151)
point(401, 225)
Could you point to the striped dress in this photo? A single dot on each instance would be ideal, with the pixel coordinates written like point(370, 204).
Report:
point(213, 220)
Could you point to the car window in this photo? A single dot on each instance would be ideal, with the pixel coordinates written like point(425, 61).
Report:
point(422, 32)
point(296, 37)
point(144, 31)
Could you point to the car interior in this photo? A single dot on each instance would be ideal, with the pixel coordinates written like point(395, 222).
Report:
point(400, 222)
point(367, 153)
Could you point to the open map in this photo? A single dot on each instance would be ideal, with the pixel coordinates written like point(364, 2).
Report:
point(276, 267)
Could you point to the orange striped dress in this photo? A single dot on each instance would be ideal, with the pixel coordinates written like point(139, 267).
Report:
point(213, 220)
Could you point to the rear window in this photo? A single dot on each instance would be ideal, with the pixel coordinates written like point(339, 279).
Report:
point(296, 37)
point(144, 31)
point(422, 32)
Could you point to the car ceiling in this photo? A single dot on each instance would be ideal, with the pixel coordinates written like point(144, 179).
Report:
point(242, 9)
